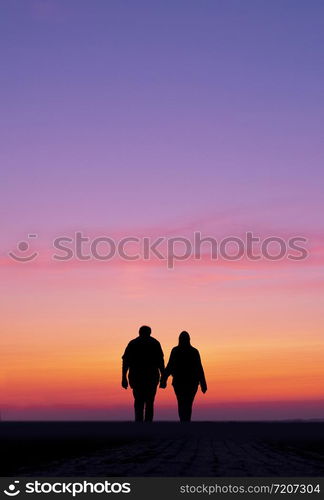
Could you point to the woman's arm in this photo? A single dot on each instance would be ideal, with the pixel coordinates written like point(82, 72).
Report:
point(202, 379)
point(168, 371)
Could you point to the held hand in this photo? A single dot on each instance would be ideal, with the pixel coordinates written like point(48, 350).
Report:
point(124, 383)
point(163, 384)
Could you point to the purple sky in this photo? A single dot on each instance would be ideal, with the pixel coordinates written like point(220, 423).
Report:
point(184, 107)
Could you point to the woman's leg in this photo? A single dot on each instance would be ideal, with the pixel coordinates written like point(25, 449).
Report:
point(185, 397)
point(181, 403)
point(188, 402)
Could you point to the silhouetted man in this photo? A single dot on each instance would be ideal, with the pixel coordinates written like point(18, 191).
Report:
point(144, 362)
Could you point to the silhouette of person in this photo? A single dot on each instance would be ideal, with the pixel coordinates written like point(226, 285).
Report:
point(143, 360)
point(186, 369)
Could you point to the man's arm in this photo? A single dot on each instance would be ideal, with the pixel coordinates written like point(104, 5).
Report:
point(167, 372)
point(161, 361)
point(125, 367)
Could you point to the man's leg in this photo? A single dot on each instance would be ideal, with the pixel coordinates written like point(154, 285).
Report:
point(139, 400)
point(149, 404)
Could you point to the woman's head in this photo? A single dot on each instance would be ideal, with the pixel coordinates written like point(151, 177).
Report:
point(184, 339)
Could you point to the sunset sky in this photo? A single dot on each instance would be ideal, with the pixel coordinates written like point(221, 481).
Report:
point(159, 119)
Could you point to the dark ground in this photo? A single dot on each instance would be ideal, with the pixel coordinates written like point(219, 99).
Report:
point(223, 449)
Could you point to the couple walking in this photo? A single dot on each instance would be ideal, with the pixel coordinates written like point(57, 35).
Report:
point(143, 363)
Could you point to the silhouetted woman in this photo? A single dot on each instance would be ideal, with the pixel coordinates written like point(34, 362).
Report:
point(186, 369)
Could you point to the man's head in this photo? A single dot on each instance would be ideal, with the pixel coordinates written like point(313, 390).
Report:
point(144, 331)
